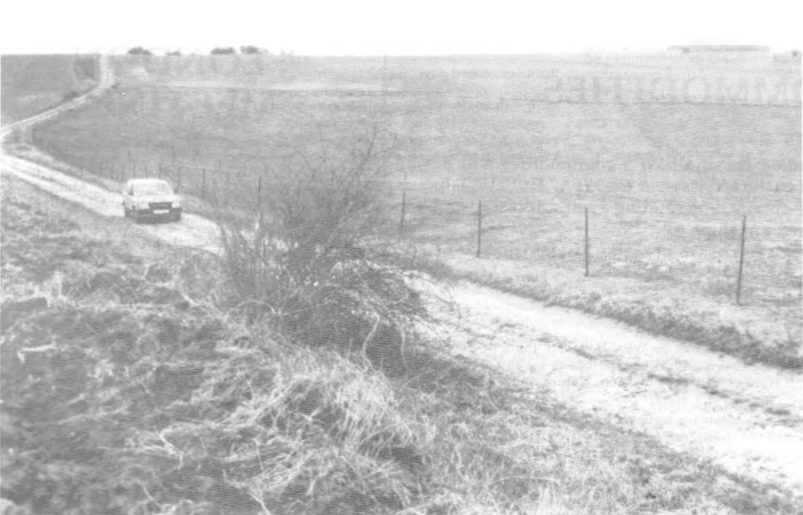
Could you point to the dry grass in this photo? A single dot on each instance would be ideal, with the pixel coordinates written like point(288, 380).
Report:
point(127, 389)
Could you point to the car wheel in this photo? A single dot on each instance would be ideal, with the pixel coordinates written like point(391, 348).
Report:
point(177, 217)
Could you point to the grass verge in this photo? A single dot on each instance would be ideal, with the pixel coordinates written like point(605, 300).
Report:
point(680, 315)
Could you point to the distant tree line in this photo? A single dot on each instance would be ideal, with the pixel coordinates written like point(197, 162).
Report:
point(719, 48)
point(138, 50)
point(221, 50)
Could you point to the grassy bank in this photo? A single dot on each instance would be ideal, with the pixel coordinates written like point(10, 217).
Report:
point(127, 389)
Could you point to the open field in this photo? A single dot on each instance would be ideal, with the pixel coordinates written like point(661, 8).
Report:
point(126, 388)
point(668, 153)
point(33, 83)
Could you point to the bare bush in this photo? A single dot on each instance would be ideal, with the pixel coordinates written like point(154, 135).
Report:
point(309, 260)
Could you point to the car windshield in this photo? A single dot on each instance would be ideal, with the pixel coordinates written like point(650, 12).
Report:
point(152, 188)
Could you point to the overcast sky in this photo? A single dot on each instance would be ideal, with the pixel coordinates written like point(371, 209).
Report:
point(409, 27)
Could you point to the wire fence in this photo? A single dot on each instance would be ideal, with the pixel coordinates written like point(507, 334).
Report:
point(721, 238)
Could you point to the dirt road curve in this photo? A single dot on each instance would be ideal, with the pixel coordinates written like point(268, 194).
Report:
point(747, 419)
point(105, 81)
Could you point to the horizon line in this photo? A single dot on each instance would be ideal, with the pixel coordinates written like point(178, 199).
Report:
point(157, 51)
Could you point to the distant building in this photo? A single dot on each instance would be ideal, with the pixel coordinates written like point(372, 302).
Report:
point(686, 49)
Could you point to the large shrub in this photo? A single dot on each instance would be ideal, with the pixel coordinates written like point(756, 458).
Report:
point(309, 261)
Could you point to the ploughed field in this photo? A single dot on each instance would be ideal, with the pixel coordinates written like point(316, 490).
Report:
point(667, 153)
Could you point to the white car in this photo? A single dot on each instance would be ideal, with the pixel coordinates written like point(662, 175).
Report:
point(151, 199)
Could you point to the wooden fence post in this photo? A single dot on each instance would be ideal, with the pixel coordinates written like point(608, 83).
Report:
point(226, 192)
point(586, 240)
point(403, 209)
point(479, 227)
point(741, 263)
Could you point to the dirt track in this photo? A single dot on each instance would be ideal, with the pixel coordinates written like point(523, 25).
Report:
point(105, 81)
point(747, 419)
point(194, 231)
